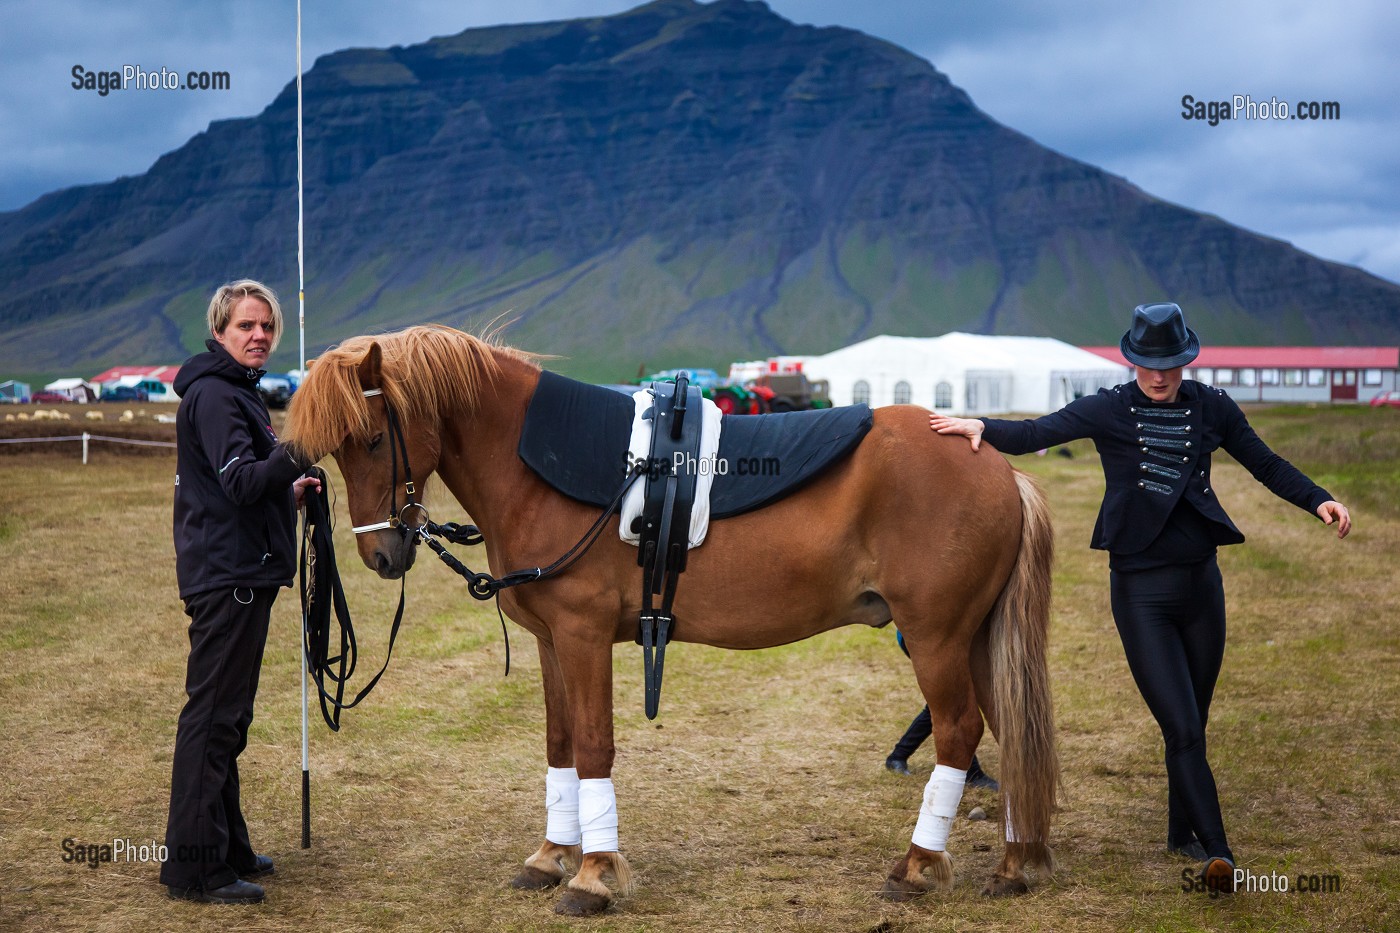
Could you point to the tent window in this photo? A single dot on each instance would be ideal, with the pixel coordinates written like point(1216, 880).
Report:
point(860, 393)
point(943, 395)
point(902, 393)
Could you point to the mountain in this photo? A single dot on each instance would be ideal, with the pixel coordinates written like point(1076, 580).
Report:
point(683, 182)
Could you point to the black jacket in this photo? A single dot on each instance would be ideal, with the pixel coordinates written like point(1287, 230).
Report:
point(1154, 455)
point(235, 512)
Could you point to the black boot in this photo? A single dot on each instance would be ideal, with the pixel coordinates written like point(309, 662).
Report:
point(1189, 847)
point(897, 765)
point(976, 777)
point(235, 892)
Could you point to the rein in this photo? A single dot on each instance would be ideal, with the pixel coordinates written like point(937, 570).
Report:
point(319, 573)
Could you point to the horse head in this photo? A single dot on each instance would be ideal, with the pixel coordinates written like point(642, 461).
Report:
point(357, 407)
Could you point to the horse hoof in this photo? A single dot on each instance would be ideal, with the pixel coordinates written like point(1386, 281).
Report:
point(532, 879)
point(900, 891)
point(1005, 887)
point(576, 903)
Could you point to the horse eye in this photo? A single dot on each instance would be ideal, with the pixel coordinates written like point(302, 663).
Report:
point(375, 442)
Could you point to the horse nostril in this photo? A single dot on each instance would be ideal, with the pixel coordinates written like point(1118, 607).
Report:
point(381, 562)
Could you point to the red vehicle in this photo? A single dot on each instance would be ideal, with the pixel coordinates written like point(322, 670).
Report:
point(1390, 399)
point(48, 397)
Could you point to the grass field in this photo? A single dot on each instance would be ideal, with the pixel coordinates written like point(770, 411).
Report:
point(758, 800)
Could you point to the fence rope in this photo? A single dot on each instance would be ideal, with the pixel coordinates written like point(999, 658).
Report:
point(85, 438)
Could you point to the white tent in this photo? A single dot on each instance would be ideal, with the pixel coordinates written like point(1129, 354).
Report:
point(965, 374)
point(79, 390)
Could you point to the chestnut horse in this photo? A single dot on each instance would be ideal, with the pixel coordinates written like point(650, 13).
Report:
point(910, 527)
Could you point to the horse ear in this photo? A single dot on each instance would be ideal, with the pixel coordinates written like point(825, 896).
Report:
point(369, 368)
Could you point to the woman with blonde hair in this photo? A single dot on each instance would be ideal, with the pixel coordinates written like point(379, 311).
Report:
point(236, 495)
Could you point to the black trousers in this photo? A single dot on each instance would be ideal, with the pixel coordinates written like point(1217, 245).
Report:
point(206, 837)
point(1172, 623)
point(918, 732)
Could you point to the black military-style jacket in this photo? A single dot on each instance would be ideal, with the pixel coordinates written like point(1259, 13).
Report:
point(1154, 455)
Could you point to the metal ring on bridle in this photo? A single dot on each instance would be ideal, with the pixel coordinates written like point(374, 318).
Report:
point(404, 511)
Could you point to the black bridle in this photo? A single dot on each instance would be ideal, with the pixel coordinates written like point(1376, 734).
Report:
point(398, 447)
point(319, 573)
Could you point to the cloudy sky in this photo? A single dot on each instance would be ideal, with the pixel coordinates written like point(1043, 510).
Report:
point(1098, 80)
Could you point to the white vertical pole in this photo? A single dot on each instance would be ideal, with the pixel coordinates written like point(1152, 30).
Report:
point(301, 340)
point(85, 447)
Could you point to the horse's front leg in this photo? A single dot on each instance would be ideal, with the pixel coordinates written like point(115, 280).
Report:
point(585, 666)
point(560, 853)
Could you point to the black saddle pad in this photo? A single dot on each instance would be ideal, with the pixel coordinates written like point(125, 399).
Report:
point(772, 456)
point(575, 438)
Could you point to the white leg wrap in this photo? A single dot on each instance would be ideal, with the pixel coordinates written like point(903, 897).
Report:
point(941, 798)
point(561, 799)
point(597, 815)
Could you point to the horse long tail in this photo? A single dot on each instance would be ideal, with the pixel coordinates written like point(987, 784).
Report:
point(1020, 624)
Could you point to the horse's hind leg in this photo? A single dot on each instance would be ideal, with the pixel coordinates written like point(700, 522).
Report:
point(560, 852)
point(946, 682)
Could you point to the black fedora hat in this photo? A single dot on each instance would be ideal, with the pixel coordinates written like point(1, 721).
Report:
point(1159, 338)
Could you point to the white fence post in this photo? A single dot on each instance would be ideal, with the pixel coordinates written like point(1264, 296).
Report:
point(85, 447)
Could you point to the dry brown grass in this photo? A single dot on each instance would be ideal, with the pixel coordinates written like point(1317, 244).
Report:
point(758, 800)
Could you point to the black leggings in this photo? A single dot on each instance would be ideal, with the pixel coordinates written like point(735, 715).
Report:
point(1172, 623)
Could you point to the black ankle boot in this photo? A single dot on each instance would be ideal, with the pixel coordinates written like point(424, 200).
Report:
point(976, 777)
point(1190, 848)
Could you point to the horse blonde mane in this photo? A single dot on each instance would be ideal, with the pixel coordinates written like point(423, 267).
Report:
point(426, 371)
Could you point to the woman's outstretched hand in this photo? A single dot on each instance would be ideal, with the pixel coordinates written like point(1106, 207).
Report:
point(1333, 511)
point(972, 428)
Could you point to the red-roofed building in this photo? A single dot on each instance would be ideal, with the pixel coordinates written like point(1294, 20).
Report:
point(158, 381)
point(1290, 374)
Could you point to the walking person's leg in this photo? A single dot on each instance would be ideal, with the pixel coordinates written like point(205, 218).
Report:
point(918, 732)
point(1152, 610)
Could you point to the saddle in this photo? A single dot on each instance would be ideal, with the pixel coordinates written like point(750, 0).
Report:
point(576, 437)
